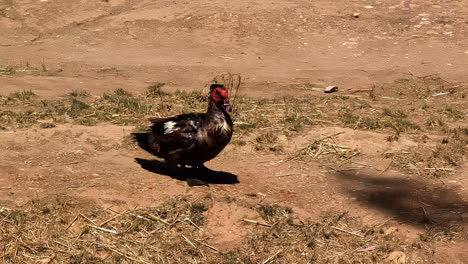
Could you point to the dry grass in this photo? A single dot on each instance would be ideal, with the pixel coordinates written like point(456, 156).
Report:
point(268, 142)
point(71, 231)
point(79, 93)
point(260, 122)
point(25, 68)
point(24, 95)
point(328, 153)
point(439, 161)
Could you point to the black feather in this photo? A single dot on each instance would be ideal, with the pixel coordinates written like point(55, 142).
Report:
point(142, 140)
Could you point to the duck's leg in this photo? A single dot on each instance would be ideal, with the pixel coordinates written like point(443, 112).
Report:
point(203, 169)
point(194, 179)
point(172, 164)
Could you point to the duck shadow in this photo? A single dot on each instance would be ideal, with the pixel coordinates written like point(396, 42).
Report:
point(413, 200)
point(210, 176)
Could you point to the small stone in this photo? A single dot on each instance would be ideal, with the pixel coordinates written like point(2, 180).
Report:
point(411, 166)
point(390, 230)
point(356, 15)
point(396, 257)
point(432, 32)
point(330, 89)
point(417, 26)
point(368, 7)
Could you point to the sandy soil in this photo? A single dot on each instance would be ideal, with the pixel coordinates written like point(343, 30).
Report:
point(99, 46)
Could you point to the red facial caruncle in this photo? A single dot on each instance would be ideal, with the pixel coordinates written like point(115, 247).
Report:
point(220, 94)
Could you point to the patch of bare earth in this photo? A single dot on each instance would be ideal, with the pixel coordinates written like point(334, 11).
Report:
point(354, 179)
point(373, 173)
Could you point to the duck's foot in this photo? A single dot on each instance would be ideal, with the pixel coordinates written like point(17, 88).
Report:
point(192, 182)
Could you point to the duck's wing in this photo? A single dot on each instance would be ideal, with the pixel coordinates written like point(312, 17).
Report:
point(176, 133)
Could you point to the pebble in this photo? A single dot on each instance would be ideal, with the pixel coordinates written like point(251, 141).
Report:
point(368, 6)
point(356, 15)
point(396, 257)
point(390, 230)
point(330, 89)
point(411, 166)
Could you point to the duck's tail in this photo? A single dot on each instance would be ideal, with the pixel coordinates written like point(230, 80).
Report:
point(146, 142)
point(143, 140)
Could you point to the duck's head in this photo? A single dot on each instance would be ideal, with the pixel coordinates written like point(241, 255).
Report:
point(220, 95)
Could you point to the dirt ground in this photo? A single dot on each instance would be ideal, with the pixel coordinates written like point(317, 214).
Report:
point(281, 49)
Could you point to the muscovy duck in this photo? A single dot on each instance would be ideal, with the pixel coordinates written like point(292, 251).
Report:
point(195, 138)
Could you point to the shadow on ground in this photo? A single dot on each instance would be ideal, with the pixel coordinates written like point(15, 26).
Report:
point(415, 201)
point(211, 177)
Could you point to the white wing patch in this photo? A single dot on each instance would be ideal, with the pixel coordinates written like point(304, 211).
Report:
point(169, 127)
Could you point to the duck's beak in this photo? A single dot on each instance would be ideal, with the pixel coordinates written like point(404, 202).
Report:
point(227, 106)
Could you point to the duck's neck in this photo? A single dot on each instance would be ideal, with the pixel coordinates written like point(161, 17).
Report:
point(216, 112)
point(213, 108)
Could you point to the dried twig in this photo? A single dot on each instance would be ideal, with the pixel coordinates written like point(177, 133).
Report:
point(329, 136)
point(190, 221)
point(285, 175)
point(346, 231)
point(4, 218)
point(318, 151)
point(121, 253)
point(386, 169)
point(336, 146)
point(156, 218)
point(86, 218)
point(112, 218)
point(206, 245)
point(441, 169)
point(272, 257)
point(367, 249)
point(104, 229)
point(256, 222)
point(189, 242)
point(398, 152)
point(72, 222)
